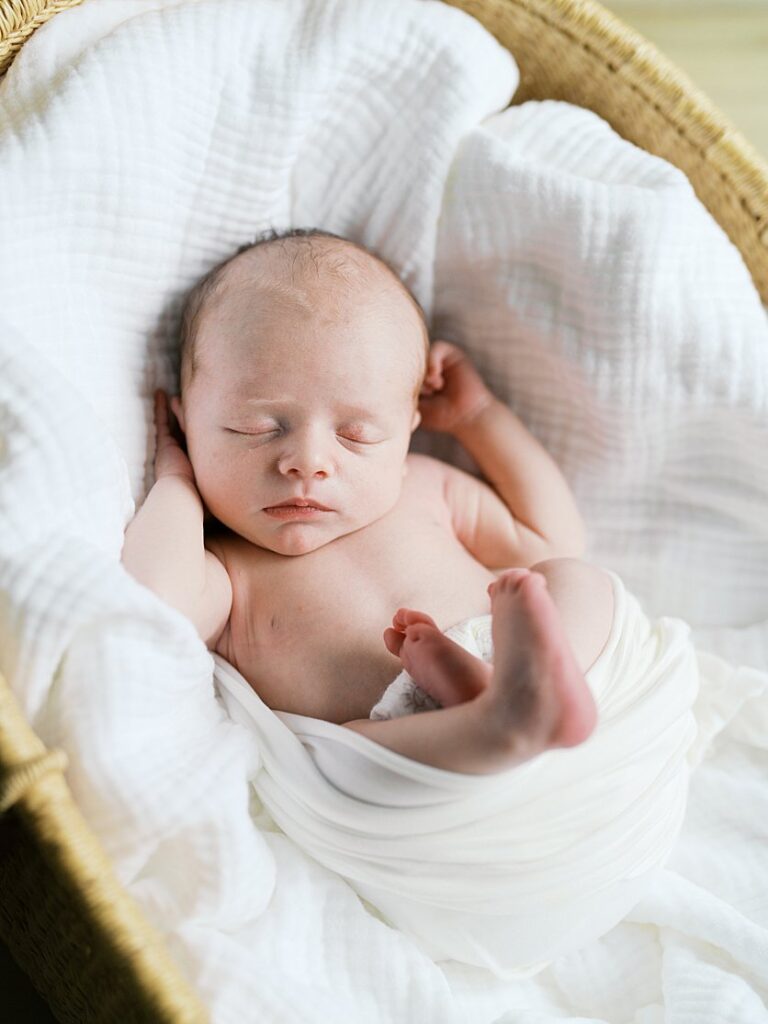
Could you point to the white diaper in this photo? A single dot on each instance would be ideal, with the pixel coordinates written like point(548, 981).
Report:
point(404, 696)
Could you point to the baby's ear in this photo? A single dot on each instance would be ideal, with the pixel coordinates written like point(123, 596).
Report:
point(178, 412)
point(416, 420)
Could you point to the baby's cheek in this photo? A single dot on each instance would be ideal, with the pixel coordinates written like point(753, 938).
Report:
point(219, 480)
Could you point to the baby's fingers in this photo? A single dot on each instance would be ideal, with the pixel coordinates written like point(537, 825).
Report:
point(440, 351)
point(433, 381)
point(161, 408)
point(162, 414)
point(442, 354)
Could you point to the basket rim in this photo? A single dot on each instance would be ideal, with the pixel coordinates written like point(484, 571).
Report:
point(638, 65)
point(19, 19)
point(33, 785)
point(719, 158)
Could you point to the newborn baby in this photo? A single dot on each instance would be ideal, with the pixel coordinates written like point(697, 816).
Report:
point(336, 569)
point(332, 558)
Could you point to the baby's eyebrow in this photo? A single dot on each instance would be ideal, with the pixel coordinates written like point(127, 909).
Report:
point(361, 411)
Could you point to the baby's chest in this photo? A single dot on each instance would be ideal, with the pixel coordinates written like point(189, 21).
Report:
point(348, 584)
point(307, 632)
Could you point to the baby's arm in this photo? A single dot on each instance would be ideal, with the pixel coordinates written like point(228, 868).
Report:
point(163, 546)
point(528, 513)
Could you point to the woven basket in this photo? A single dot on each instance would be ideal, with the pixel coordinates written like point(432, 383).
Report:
point(63, 914)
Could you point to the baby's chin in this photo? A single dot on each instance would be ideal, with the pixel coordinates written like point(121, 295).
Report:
point(300, 542)
point(301, 536)
point(294, 539)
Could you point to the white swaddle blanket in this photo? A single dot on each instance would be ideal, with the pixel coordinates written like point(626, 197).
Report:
point(141, 142)
point(510, 870)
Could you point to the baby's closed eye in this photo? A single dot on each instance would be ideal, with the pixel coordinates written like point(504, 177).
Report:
point(252, 438)
point(359, 434)
point(252, 433)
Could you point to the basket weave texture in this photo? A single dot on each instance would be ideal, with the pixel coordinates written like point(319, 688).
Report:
point(63, 914)
point(19, 19)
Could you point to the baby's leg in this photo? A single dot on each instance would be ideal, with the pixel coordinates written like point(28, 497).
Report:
point(458, 739)
point(583, 595)
point(549, 627)
point(539, 693)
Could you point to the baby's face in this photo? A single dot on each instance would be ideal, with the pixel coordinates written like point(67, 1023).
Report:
point(306, 399)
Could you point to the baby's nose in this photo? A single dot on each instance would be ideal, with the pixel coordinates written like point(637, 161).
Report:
point(319, 474)
point(306, 462)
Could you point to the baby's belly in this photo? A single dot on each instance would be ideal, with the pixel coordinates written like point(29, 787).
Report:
point(309, 635)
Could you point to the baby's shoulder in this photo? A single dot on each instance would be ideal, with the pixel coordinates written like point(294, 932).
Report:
point(425, 468)
point(424, 483)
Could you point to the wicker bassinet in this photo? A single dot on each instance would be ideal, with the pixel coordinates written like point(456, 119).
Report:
point(65, 918)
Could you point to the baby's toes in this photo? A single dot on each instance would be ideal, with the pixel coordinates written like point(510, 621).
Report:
point(393, 641)
point(405, 617)
point(419, 632)
point(508, 581)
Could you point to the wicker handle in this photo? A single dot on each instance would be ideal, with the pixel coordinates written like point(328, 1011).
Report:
point(18, 779)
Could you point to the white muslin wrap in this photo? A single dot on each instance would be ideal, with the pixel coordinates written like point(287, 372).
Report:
point(504, 871)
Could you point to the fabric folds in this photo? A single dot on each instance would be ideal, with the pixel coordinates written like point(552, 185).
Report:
point(509, 870)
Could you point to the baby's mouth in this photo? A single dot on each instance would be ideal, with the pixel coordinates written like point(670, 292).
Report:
point(297, 510)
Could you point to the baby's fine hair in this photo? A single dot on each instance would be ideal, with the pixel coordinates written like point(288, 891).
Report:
point(335, 262)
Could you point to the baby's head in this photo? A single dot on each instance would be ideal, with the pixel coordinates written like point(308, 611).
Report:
point(302, 360)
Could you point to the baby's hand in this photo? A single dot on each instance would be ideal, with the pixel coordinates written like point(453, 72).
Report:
point(453, 391)
point(170, 457)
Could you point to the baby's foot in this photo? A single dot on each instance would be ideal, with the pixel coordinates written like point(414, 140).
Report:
point(441, 667)
point(538, 689)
